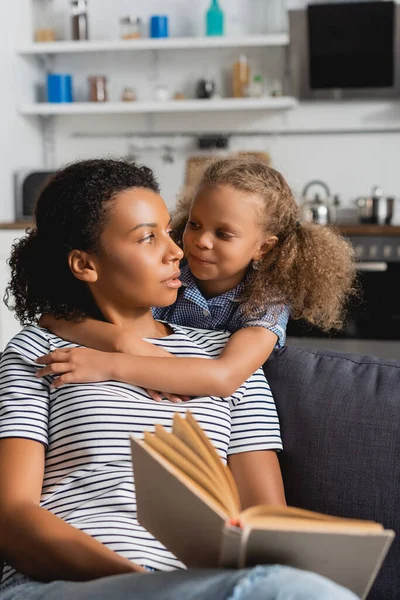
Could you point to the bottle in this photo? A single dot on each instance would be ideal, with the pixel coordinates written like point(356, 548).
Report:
point(214, 19)
point(79, 20)
point(240, 77)
point(98, 88)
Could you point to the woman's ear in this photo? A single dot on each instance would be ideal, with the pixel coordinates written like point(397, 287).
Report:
point(265, 247)
point(82, 266)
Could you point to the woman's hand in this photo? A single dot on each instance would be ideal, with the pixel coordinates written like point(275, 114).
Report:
point(85, 365)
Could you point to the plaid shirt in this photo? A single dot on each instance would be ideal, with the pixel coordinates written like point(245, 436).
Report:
point(191, 309)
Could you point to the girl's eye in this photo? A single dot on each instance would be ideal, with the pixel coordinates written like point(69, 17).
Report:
point(170, 232)
point(193, 225)
point(147, 239)
point(224, 235)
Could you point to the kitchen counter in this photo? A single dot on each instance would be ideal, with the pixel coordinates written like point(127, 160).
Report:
point(16, 225)
point(375, 230)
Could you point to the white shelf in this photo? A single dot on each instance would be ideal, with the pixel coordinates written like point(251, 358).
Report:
point(107, 108)
point(248, 41)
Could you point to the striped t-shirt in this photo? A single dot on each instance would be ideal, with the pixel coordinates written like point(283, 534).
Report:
point(88, 479)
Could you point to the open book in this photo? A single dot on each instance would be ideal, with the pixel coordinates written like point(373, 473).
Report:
point(187, 498)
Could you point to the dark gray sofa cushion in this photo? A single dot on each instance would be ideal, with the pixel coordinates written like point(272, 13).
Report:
point(340, 419)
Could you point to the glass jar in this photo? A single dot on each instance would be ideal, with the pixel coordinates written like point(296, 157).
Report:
point(44, 21)
point(128, 94)
point(98, 88)
point(256, 88)
point(79, 20)
point(131, 28)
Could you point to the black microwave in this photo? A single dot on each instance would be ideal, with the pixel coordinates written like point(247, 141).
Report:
point(345, 50)
point(27, 186)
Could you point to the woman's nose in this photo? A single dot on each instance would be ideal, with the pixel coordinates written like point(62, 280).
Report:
point(174, 251)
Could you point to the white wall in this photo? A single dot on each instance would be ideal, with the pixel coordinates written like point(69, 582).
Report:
point(349, 162)
point(20, 139)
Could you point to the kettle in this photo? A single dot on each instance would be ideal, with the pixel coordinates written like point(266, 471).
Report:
point(316, 209)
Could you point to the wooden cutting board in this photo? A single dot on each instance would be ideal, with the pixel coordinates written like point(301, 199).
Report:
point(196, 165)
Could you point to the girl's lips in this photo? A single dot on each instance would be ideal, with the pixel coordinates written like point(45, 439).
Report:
point(200, 260)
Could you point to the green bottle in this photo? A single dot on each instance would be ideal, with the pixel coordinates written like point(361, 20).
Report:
point(214, 19)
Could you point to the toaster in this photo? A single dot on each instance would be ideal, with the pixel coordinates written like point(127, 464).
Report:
point(27, 186)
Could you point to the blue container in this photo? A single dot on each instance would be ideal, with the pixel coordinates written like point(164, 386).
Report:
point(59, 87)
point(158, 26)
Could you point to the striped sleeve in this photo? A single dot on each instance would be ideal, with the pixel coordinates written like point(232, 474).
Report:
point(24, 400)
point(255, 422)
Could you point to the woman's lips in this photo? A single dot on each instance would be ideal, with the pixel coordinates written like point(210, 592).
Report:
point(173, 282)
point(201, 261)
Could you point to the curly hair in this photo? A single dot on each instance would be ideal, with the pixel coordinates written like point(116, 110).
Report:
point(311, 268)
point(70, 213)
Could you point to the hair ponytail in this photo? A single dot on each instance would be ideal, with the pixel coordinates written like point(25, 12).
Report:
point(312, 269)
point(25, 282)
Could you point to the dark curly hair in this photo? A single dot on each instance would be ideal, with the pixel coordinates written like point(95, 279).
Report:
point(71, 212)
point(311, 268)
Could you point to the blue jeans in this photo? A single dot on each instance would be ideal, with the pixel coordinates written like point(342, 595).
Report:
point(261, 583)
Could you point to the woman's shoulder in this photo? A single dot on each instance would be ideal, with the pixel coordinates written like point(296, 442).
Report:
point(33, 341)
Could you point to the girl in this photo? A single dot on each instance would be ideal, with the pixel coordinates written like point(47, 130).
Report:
point(249, 263)
point(67, 498)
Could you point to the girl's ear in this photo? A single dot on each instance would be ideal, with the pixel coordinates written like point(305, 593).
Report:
point(82, 266)
point(266, 246)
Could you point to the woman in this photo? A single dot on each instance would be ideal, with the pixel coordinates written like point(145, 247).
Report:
point(101, 247)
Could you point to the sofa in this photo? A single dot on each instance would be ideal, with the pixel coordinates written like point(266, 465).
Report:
point(340, 420)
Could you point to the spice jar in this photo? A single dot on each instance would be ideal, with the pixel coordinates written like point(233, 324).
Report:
point(131, 28)
point(44, 21)
point(80, 27)
point(98, 88)
point(128, 95)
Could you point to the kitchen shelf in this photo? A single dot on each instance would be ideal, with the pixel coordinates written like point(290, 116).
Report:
point(107, 108)
point(71, 47)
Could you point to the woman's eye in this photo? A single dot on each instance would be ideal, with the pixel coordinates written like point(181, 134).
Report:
point(170, 232)
point(147, 239)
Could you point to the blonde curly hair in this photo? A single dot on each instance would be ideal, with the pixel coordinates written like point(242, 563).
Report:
point(311, 268)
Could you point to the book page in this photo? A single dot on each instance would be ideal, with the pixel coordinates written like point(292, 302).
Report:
point(221, 491)
point(290, 518)
point(213, 457)
point(182, 464)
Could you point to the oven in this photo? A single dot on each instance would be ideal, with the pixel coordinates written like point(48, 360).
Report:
point(373, 321)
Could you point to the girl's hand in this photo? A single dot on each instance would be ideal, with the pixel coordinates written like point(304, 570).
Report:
point(158, 396)
point(84, 365)
point(76, 365)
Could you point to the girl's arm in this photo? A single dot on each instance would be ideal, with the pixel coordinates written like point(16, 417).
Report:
point(101, 336)
point(245, 352)
point(35, 541)
point(258, 478)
